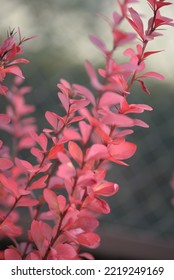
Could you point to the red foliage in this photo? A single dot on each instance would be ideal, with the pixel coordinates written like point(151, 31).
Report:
point(68, 157)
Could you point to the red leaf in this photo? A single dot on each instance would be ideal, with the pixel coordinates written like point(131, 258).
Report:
point(144, 88)
point(162, 4)
point(146, 54)
point(54, 150)
point(75, 152)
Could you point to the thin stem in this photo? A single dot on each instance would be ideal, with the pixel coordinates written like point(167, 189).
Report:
point(145, 42)
point(27, 185)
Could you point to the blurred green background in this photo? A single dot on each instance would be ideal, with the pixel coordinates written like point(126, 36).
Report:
point(141, 222)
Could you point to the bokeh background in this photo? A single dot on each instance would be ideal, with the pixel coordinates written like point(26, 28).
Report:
point(141, 222)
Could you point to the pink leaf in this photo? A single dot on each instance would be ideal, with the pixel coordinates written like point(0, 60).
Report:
point(126, 108)
point(78, 104)
point(61, 202)
point(140, 123)
point(41, 140)
point(51, 199)
point(97, 151)
point(39, 184)
point(151, 75)
point(90, 239)
point(71, 134)
point(14, 70)
point(86, 92)
point(37, 232)
point(136, 22)
point(98, 43)
point(3, 89)
point(34, 255)
point(64, 252)
point(27, 200)
point(5, 163)
point(93, 76)
point(106, 189)
point(97, 205)
point(75, 152)
point(25, 143)
point(12, 254)
point(85, 130)
point(117, 119)
point(19, 60)
point(53, 119)
point(64, 100)
point(116, 18)
point(110, 98)
point(54, 151)
point(24, 165)
point(76, 119)
point(4, 118)
point(86, 223)
point(56, 203)
point(122, 151)
point(8, 228)
point(10, 185)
